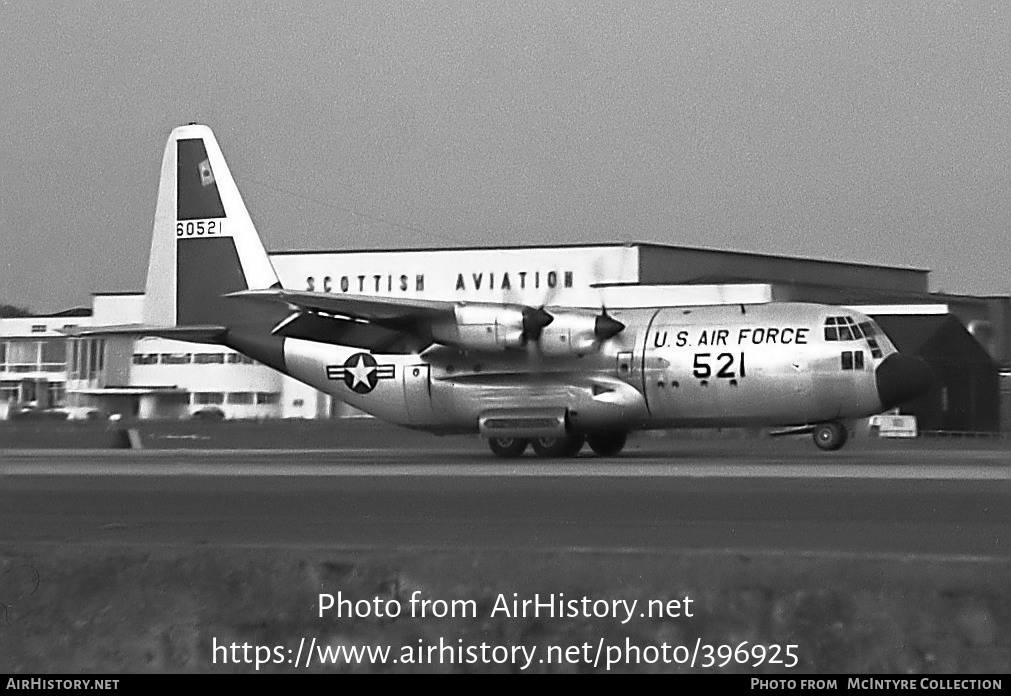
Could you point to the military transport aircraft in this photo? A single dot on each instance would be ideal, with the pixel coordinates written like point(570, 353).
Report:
point(552, 377)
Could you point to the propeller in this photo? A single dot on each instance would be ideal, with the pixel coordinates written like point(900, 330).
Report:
point(534, 321)
point(606, 326)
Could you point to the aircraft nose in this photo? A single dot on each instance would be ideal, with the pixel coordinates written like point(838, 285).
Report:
point(901, 378)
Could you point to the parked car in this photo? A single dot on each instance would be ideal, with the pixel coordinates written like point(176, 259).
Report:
point(35, 413)
point(210, 413)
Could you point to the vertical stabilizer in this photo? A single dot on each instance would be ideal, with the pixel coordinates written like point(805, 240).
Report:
point(204, 244)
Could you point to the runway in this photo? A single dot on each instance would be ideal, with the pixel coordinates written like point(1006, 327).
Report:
point(889, 500)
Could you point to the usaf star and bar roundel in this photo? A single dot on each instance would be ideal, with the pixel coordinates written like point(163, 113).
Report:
point(360, 372)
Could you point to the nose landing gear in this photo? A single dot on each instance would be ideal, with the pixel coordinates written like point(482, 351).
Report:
point(830, 436)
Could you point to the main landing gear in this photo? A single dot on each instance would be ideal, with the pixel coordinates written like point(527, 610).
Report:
point(605, 444)
point(508, 447)
point(565, 446)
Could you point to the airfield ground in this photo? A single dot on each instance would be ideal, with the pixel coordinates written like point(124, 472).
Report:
point(88, 602)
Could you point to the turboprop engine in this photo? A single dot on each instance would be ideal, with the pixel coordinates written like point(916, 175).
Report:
point(577, 333)
point(488, 327)
point(491, 327)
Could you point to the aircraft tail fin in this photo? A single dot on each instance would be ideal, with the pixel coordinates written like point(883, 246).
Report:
point(204, 244)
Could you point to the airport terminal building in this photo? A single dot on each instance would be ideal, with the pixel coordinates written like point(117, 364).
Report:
point(966, 339)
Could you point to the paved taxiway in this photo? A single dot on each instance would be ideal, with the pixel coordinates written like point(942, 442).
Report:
point(905, 499)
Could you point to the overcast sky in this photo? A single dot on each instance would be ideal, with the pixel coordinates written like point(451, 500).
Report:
point(869, 131)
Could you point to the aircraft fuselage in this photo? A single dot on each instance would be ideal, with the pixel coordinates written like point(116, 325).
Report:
point(727, 365)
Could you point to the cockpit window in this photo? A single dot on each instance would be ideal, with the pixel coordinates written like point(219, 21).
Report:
point(842, 328)
point(870, 332)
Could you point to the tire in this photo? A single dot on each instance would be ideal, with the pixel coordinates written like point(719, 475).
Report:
point(508, 447)
point(565, 446)
point(607, 444)
point(830, 436)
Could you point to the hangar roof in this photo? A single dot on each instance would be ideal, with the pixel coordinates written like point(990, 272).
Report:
point(597, 245)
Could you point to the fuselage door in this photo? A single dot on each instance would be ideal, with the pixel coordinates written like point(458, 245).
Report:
point(418, 394)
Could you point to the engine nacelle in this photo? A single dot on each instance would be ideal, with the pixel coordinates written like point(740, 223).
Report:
point(491, 327)
point(482, 327)
point(614, 404)
point(577, 333)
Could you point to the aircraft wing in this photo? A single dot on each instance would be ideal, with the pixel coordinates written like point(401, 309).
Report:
point(381, 324)
point(369, 308)
point(399, 324)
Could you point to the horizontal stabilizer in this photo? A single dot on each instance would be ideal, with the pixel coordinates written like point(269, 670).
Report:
point(194, 334)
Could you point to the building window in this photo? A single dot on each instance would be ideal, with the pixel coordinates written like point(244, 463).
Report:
point(263, 398)
point(8, 391)
point(242, 398)
point(57, 394)
point(85, 352)
point(207, 398)
point(54, 354)
point(23, 356)
point(92, 359)
point(209, 359)
point(176, 358)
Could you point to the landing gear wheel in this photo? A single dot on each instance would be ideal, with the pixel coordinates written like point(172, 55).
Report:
point(830, 436)
point(565, 446)
point(508, 447)
point(607, 444)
